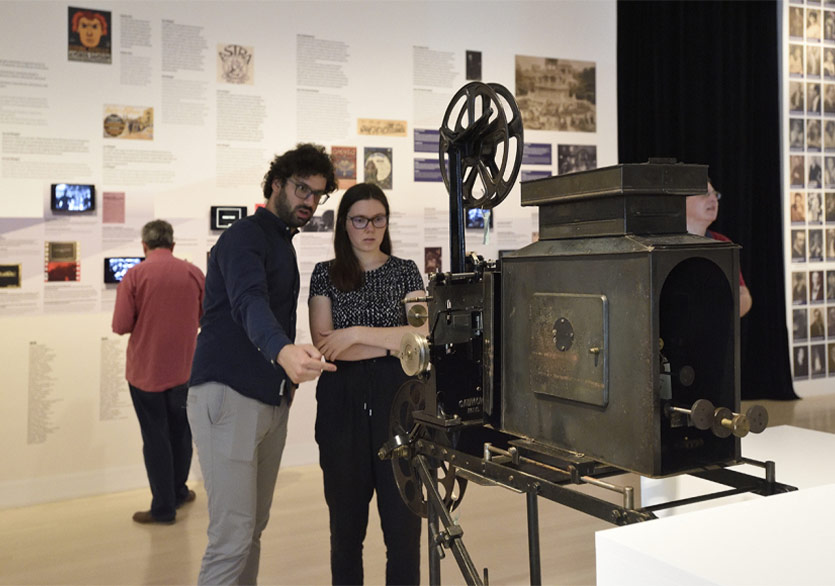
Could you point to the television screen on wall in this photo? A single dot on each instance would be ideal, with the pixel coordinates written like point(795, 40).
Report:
point(223, 216)
point(115, 267)
point(72, 197)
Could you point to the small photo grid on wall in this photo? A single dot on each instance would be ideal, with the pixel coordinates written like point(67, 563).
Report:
point(810, 193)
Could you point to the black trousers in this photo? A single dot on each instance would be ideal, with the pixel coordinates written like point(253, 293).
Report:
point(166, 445)
point(351, 424)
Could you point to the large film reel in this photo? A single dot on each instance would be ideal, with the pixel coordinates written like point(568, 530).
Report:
point(483, 123)
point(411, 397)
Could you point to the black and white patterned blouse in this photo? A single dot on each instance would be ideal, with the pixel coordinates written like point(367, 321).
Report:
point(378, 303)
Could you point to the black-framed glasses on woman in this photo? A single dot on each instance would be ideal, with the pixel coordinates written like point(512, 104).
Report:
point(303, 191)
point(360, 222)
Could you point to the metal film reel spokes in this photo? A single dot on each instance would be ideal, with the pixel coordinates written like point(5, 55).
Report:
point(483, 123)
point(411, 397)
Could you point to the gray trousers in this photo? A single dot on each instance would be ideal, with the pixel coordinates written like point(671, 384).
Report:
point(239, 443)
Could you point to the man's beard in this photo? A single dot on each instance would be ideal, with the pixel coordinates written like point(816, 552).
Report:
point(287, 213)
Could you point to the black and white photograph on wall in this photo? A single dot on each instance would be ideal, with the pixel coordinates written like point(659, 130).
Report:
point(830, 322)
point(828, 98)
point(800, 362)
point(817, 360)
point(829, 136)
point(432, 260)
point(813, 62)
point(829, 26)
point(828, 63)
point(556, 94)
point(813, 25)
point(235, 64)
point(10, 276)
point(816, 286)
point(89, 34)
point(813, 98)
point(796, 95)
point(829, 244)
point(576, 157)
point(62, 261)
point(829, 207)
point(816, 249)
point(817, 327)
point(814, 215)
point(800, 331)
point(473, 68)
point(797, 212)
point(799, 245)
point(796, 23)
point(797, 135)
point(320, 223)
point(831, 365)
point(796, 60)
point(813, 135)
point(796, 167)
point(830, 286)
point(814, 176)
point(798, 288)
point(378, 166)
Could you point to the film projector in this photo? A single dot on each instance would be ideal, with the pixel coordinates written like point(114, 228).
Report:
point(610, 345)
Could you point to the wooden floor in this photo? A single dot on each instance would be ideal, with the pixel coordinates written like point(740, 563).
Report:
point(94, 541)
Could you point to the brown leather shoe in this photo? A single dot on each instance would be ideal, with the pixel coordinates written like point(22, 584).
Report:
point(189, 499)
point(145, 518)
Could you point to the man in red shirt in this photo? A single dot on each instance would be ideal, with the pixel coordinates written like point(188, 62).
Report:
point(701, 213)
point(159, 302)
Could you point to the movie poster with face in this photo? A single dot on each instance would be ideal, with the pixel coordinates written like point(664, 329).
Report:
point(345, 165)
point(89, 35)
point(378, 166)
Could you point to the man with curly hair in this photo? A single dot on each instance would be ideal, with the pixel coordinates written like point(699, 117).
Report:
point(247, 366)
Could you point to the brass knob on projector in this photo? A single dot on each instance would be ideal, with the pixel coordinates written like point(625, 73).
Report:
point(414, 354)
point(417, 316)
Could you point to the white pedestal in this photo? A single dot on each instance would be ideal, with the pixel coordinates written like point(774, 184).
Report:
point(745, 539)
point(781, 540)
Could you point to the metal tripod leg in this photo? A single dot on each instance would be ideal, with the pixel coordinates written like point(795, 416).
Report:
point(533, 539)
point(435, 550)
point(451, 536)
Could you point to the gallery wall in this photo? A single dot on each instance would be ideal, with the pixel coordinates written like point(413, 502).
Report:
point(179, 106)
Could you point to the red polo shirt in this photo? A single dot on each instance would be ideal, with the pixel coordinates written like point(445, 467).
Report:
point(159, 302)
point(723, 238)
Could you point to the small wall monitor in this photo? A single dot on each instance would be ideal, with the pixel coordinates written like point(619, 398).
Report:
point(72, 197)
point(115, 267)
point(224, 216)
point(475, 219)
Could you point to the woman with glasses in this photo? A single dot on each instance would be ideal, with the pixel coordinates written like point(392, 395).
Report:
point(357, 319)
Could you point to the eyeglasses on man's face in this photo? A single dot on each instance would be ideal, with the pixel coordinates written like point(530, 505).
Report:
point(303, 191)
point(714, 193)
point(360, 222)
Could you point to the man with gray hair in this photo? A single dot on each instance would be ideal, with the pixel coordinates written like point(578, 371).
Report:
point(159, 302)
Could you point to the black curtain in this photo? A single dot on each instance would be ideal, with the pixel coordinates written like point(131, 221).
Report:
point(699, 81)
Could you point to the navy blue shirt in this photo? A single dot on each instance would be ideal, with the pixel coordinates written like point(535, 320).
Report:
point(249, 308)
